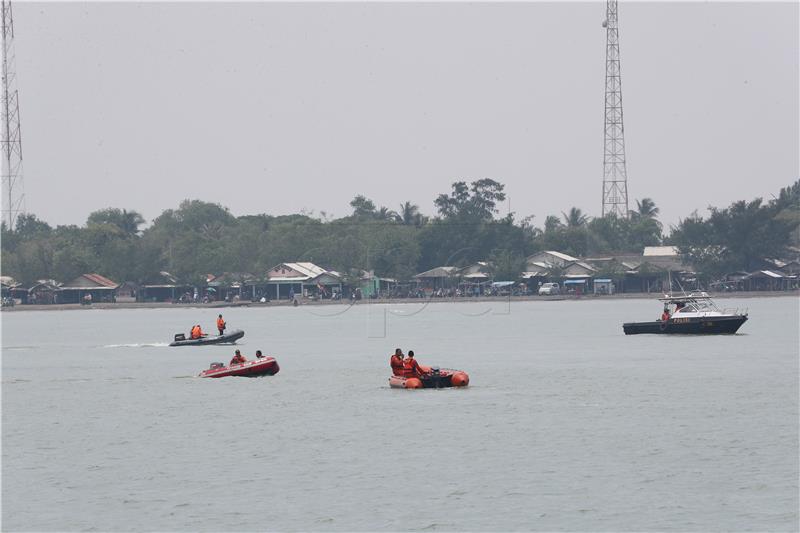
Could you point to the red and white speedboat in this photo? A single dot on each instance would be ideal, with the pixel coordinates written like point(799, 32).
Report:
point(265, 366)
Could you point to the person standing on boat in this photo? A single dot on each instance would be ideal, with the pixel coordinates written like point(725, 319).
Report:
point(221, 325)
point(665, 314)
point(396, 362)
point(238, 359)
point(411, 368)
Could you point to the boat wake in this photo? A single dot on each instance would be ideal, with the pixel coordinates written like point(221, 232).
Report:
point(137, 345)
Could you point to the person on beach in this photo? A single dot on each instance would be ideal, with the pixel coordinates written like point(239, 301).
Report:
point(238, 359)
point(411, 368)
point(396, 362)
point(220, 325)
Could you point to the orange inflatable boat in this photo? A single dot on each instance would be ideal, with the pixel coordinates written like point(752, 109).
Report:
point(433, 378)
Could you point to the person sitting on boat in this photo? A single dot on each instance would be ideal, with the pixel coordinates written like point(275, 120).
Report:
point(238, 359)
point(258, 354)
point(411, 368)
point(396, 362)
point(197, 332)
point(220, 325)
point(665, 315)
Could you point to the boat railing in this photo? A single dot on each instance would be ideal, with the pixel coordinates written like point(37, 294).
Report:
point(735, 311)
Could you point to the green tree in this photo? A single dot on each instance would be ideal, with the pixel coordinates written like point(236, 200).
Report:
point(362, 207)
point(128, 222)
point(645, 208)
point(506, 265)
point(409, 215)
point(575, 218)
point(478, 202)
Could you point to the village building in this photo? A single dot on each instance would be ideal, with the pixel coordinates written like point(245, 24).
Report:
point(164, 287)
point(88, 288)
point(443, 277)
point(766, 280)
point(551, 259)
point(127, 292)
point(373, 286)
point(475, 278)
point(44, 292)
point(12, 291)
point(229, 286)
point(290, 280)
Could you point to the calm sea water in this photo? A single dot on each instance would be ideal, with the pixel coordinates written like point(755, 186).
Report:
point(567, 424)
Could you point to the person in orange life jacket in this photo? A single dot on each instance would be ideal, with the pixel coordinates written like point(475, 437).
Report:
point(396, 362)
point(665, 315)
point(238, 359)
point(197, 332)
point(221, 325)
point(411, 368)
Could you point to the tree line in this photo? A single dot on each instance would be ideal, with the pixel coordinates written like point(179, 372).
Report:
point(200, 238)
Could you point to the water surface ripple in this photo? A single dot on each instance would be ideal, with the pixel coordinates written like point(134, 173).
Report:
point(567, 425)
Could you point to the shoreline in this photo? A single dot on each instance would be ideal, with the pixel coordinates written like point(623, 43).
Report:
point(288, 303)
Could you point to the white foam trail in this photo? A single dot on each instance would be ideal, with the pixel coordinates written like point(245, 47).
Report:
point(137, 345)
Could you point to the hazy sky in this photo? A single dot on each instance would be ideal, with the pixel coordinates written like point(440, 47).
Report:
point(275, 108)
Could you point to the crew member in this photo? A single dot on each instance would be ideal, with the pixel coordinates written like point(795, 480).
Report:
point(665, 315)
point(396, 362)
point(220, 325)
point(411, 368)
point(197, 332)
point(258, 354)
point(238, 359)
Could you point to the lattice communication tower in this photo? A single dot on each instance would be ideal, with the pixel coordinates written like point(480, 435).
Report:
point(13, 190)
point(615, 175)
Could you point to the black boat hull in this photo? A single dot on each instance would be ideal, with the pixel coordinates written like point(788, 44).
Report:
point(716, 325)
point(228, 338)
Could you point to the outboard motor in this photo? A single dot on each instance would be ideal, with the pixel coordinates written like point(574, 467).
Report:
point(436, 377)
point(180, 337)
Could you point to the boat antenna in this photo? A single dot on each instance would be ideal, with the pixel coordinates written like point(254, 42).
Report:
point(679, 285)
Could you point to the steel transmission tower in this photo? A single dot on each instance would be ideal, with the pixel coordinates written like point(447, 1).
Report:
point(13, 191)
point(615, 176)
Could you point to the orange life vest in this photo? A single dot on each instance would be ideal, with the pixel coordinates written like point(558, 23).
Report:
point(220, 324)
point(196, 332)
point(411, 368)
point(397, 365)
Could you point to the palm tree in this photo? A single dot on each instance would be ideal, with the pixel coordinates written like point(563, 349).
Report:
point(130, 222)
point(552, 223)
point(384, 213)
point(575, 218)
point(409, 215)
point(127, 221)
point(645, 208)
